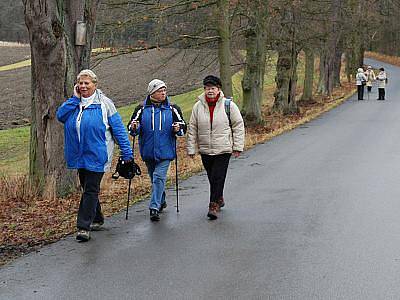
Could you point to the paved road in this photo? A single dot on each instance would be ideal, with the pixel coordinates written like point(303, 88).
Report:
point(312, 214)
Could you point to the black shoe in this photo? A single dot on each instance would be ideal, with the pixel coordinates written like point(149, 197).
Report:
point(163, 205)
point(154, 215)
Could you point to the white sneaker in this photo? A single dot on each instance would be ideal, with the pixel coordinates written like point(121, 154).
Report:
point(83, 235)
point(96, 226)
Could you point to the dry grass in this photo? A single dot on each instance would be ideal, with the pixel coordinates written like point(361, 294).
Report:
point(393, 60)
point(12, 44)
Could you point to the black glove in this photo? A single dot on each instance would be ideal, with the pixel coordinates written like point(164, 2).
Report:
point(126, 169)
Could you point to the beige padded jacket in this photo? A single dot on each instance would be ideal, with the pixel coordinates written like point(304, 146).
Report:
point(218, 138)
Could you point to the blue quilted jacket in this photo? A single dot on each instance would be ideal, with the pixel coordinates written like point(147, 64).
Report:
point(89, 133)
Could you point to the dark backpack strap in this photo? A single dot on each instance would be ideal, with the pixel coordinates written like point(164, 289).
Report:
point(227, 105)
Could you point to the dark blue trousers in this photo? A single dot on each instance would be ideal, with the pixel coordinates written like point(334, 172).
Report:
point(89, 207)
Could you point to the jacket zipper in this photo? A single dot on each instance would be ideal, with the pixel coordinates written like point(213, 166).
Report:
point(160, 119)
point(152, 118)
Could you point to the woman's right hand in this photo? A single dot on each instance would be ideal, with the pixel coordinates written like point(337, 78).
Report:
point(76, 91)
point(134, 125)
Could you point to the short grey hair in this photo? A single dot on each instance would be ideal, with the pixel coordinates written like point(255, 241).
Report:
point(87, 73)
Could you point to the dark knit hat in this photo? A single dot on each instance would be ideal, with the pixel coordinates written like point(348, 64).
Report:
point(212, 80)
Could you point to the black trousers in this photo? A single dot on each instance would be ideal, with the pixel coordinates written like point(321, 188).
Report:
point(89, 207)
point(216, 167)
point(381, 93)
point(369, 89)
point(360, 90)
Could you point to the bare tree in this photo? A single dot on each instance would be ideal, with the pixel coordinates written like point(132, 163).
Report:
point(286, 66)
point(224, 45)
point(253, 78)
point(55, 62)
point(308, 75)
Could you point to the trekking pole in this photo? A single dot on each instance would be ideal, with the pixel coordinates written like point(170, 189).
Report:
point(127, 202)
point(176, 171)
point(176, 179)
point(130, 181)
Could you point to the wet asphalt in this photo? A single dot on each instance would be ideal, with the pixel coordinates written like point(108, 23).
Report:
point(312, 214)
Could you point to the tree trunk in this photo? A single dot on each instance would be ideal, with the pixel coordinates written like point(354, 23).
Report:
point(253, 78)
point(286, 81)
point(55, 63)
point(322, 88)
point(329, 50)
point(309, 76)
point(349, 66)
point(224, 46)
point(337, 68)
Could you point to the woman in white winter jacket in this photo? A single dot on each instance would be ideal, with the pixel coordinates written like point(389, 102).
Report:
point(361, 79)
point(370, 78)
point(216, 131)
point(382, 81)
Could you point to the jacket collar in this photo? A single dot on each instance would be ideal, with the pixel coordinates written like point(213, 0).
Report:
point(164, 104)
point(202, 98)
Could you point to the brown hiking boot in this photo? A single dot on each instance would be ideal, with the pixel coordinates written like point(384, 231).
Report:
point(213, 211)
point(221, 202)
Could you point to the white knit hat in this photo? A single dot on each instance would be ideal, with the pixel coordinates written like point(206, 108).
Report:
point(154, 85)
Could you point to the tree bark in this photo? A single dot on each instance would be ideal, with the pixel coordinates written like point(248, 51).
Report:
point(322, 88)
point(286, 81)
point(253, 78)
point(224, 46)
point(348, 65)
point(309, 75)
point(337, 68)
point(329, 51)
point(55, 63)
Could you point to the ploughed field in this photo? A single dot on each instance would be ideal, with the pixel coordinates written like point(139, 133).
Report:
point(123, 78)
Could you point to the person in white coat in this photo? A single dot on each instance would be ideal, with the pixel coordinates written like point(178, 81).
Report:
point(216, 131)
point(361, 79)
point(370, 74)
point(382, 81)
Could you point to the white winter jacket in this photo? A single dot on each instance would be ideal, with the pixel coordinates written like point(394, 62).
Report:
point(381, 78)
point(217, 138)
point(360, 78)
point(370, 77)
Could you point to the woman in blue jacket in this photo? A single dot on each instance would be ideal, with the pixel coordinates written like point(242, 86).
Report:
point(91, 124)
point(157, 122)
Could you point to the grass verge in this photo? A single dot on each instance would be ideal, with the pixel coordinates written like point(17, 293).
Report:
point(393, 60)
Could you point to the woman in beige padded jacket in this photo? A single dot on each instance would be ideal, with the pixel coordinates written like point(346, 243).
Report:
point(211, 134)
